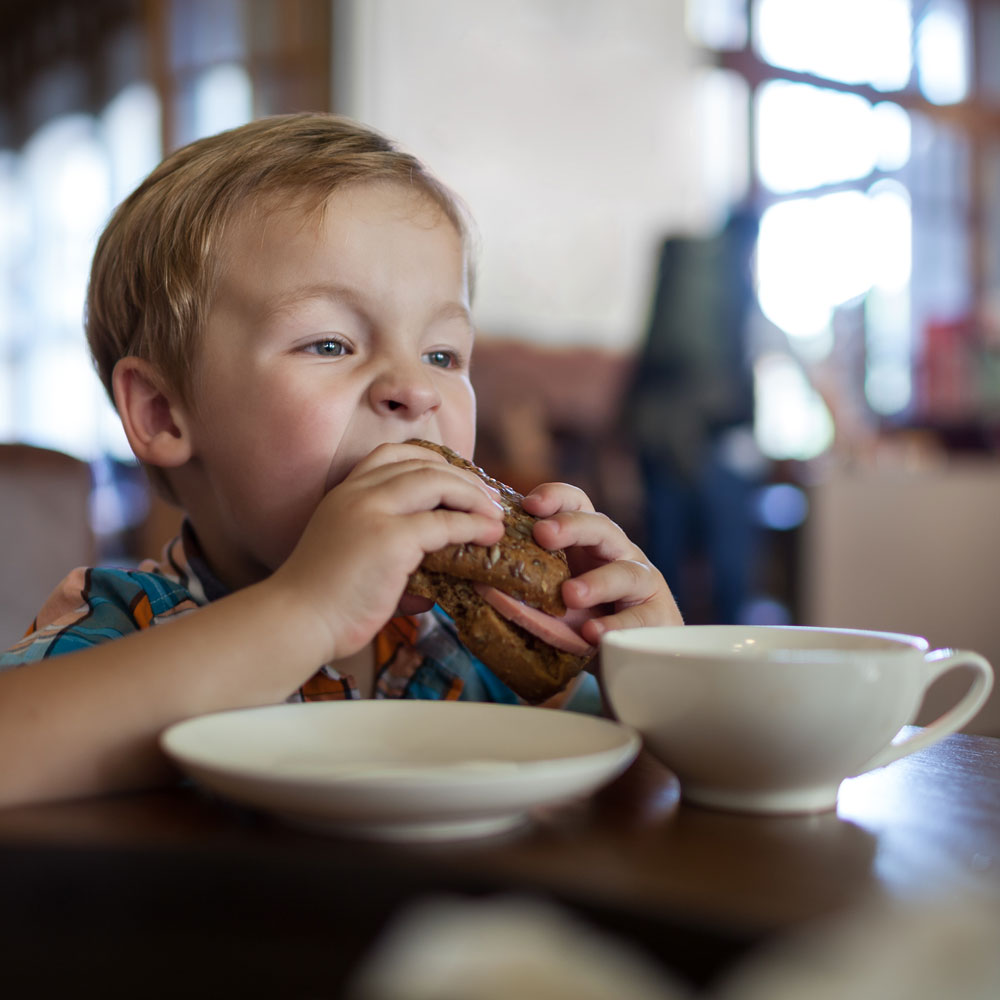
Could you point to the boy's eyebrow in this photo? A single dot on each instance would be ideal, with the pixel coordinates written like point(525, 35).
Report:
point(316, 290)
point(350, 297)
point(455, 310)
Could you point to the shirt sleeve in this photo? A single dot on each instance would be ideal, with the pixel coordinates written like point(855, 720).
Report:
point(92, 606)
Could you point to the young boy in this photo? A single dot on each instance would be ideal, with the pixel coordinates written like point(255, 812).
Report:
point(274, 310)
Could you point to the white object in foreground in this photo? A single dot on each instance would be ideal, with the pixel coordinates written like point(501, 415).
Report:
point(401, 769)
point(773, 718)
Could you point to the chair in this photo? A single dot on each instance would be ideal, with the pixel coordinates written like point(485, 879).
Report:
point(44, 530)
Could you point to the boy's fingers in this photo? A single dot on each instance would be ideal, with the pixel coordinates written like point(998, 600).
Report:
point(386, 455)
point(388, 461)
point(437, 528)
point(412, 485)
point(625, 580)
point(660, 611)
point(425, 489)
point(588, 530)
point(550, 498)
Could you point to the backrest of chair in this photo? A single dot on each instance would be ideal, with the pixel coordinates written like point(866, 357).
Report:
point(45, 530)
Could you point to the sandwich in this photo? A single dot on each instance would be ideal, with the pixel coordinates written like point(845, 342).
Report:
point(506, 599)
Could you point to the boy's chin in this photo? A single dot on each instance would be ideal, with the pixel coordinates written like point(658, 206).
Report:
point(411, 604)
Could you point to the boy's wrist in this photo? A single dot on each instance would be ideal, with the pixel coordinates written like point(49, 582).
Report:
point(307, 627)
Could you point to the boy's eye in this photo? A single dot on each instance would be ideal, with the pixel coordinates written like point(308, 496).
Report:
point(440, 359)
point(329, 348)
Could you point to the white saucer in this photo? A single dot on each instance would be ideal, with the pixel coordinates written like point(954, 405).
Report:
point(401, 769)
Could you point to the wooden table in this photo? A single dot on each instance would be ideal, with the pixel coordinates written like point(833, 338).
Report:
point(149, 894)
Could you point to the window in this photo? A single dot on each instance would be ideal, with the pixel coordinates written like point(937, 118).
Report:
point(58, 190)
point(93, 95)
point(187, 68)
point(851, 41)
point(870, 155)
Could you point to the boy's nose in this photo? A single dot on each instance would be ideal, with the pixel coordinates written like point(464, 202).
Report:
point(405, 391)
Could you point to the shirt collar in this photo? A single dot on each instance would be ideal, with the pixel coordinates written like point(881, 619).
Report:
point(212, 587)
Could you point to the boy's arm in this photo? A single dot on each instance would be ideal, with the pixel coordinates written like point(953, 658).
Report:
point(87, 722)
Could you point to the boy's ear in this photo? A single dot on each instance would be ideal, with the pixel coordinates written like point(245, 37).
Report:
point(155, 422)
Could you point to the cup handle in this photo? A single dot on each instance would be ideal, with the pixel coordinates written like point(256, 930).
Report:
point(939, 662)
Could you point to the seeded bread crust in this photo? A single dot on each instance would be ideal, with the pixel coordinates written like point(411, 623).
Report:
point(533, 669)
point(518, 566)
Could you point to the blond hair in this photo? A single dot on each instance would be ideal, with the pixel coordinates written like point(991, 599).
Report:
point(156, 264)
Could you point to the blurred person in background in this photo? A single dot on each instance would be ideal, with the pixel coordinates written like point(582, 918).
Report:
point(689, 414)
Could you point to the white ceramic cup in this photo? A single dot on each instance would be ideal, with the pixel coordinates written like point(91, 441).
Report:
point(773, 718)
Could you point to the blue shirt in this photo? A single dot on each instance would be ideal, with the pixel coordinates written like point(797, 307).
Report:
point(417, 656)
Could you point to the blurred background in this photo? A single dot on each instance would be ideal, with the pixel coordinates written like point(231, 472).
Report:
point(739, 267)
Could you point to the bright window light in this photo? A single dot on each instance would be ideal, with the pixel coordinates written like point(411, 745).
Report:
point(888, 311)
point(943, 52)
point(721, 99)
point(791, 421)
point(131, 126)
point(891, 126)
point(718, 24)
point(223, 99)
point(853, 41)
point(55, 197)
point(13, 250)
point(892, 235)
point(813, 255)
point(68, 183)
point(788, 287)
point(888, 387)
point(809, 136)
point(62, 392)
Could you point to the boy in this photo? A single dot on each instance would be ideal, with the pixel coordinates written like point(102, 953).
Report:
point(273, 311)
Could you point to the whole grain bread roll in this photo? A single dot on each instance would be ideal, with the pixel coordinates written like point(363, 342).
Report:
point(517, 566)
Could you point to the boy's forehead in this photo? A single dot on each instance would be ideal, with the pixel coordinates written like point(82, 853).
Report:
point(260, 234)
point(293, 213)
point(310, 208)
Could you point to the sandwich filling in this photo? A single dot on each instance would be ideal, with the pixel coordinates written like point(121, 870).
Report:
point(506, 599)
point(562, 633)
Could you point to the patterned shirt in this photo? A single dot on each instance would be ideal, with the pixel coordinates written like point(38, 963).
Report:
point(417, 656)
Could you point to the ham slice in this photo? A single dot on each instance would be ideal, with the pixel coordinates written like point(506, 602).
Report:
point(563, 633)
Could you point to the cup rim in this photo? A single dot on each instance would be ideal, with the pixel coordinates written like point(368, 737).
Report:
point(680, 640)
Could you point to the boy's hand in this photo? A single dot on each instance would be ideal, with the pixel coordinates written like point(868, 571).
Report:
point(612, 578)
point(372, 530)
